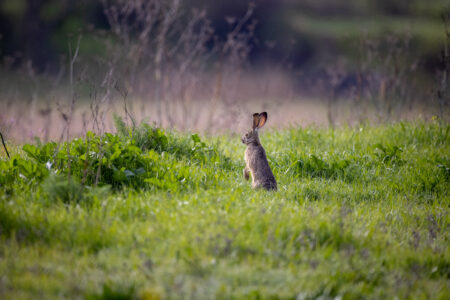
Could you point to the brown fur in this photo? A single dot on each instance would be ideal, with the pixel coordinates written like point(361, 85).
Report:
point(255, 157)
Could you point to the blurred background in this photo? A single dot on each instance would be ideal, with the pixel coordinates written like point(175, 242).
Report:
point(68, 66)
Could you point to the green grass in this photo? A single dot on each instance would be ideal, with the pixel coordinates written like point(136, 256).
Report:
point(360, 213)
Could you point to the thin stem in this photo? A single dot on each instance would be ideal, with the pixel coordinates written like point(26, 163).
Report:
point(4, 145)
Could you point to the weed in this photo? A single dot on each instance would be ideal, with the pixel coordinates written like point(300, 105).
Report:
point(113, 293)
point(59, 188)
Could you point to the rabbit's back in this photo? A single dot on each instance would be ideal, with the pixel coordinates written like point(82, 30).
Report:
point(256, 160)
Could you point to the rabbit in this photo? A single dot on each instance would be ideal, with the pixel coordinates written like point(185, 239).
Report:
point(255, 157)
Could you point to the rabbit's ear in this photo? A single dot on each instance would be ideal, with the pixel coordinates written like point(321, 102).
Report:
point(255, 120)
point(262, 119)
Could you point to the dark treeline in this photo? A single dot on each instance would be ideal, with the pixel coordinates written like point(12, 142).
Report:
point(304, 33)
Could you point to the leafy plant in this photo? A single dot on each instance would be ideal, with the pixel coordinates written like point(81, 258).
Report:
point(141, 158)
point(59, 188)
point(389, 154)
point(143, 135)
point(314, 166)
point(110, 292)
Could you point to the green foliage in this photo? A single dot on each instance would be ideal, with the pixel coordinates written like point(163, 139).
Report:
point(360, 213)
point(141, 158)
point(59, 188)
point(317, 167)
point(41, 153)
point(389, 154)
point(144, 136)
point(114, 293)
point(19, 170)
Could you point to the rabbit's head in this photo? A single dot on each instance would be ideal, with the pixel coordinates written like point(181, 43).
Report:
point(251, 137)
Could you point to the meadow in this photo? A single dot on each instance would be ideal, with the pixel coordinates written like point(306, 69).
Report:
point(147, 213)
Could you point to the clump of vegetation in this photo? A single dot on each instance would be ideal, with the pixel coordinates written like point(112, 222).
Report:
point(112, 292)
point(141, 157)
point(59, 188)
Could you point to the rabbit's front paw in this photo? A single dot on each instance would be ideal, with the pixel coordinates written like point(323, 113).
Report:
point(246, 174)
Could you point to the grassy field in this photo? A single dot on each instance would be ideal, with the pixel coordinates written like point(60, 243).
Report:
point(360, 213)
